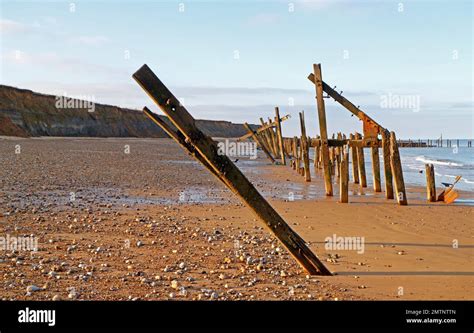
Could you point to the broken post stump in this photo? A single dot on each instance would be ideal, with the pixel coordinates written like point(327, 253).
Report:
point(222, 165)
point(305, 149)
point(430, 183)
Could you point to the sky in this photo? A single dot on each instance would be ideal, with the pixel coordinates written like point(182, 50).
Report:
point(408, 64)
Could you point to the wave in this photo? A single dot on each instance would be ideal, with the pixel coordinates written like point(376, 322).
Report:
point(438, 162)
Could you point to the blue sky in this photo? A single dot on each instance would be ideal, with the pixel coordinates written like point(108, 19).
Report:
point(237, 60)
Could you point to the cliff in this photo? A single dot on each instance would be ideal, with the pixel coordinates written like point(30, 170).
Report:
point(27, 113)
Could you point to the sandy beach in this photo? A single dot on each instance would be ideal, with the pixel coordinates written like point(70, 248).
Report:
point(120, 219)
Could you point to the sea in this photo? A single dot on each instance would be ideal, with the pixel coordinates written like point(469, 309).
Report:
point(448, 163)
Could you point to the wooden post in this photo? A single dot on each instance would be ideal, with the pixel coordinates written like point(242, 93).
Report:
point(305, 149)
point(376, 168)
point(361, 162)
point(266, 135)
point(222, 165)
point(338, 154)
point(430, 183)
point(273, 138)
point(316, 158)
point(259, 142)
point(316, 154)
point(318, 83)
point(295, 154)
point(397, 171)
point(355, 161)
point(279, 135)
point(181, 140)
point(387, 165)
point(344, 177)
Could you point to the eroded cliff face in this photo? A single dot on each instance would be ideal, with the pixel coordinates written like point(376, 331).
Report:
point(26, 113)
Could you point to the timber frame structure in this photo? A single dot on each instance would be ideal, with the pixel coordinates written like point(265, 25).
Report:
point(331, 155)
point(205, 150)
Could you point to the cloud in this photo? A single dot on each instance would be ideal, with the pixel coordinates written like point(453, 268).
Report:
point(90, 40)
point(263, 19)
point(12, 27)
point(51, 61)
point(315, 4)
point(193, 91)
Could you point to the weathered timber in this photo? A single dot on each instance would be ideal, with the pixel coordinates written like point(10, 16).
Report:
point(387, 164)
point(295, 153)
point(181, 140)
point(279, 135)
point(273, 139)
point(397, 171)
point(348, 105)
point(305, 149)
point(344, 178)
point(361, 162)
point(235, 179)
point(318, 83)
point(430, 183)
point(355, 161)
point(366, 143)
point(376, 169)
point(259, 142)
point(264, 127)
point(265, 135)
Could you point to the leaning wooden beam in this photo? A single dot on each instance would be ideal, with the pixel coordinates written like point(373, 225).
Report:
point(366, 143)
point(265, 135)
point(322, 128)
point(259, 142)
point(264, 127)
point(181, 140)
point(279, 135)
point(273, 139)
point(397, 171)
point(347, 104)
point(235, 179)
point(305, 149)
point(386, 164)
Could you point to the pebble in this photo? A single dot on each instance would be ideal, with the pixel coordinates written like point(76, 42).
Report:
point(174, 284)
point(56, 298)
point(32, 288)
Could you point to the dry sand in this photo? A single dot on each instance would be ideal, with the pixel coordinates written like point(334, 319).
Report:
point(124, 219)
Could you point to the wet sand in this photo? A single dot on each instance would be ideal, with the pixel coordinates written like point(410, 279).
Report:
point(135, 219)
